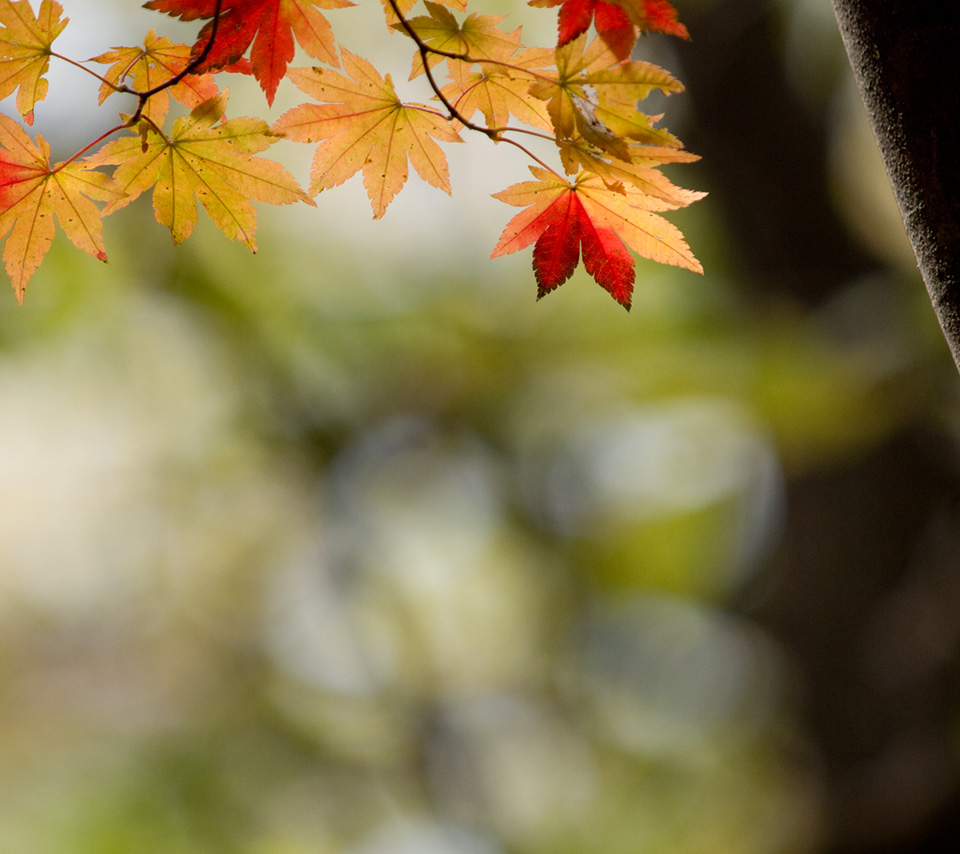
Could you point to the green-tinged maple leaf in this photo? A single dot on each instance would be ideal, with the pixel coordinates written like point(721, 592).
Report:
point(202, 159)
point(32, 193)
point(144, 68)
point(498, 91)
point(25, 41)
point(594, 95)
point(365, 126)
point(266, 27)
point(478, 37)
point(566, 218)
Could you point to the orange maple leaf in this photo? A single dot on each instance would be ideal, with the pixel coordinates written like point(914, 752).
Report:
point(25, 41)
point(365, 126)
point(32, 193)
point(266, 27)
point(144, 68)
point(565, 218)
point(498, 91)
point(203, 159)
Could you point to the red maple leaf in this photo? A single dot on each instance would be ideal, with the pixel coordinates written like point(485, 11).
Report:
point(661, 17)
point(588, 218)
point(266, 27)
point(563, 230)
point(617, 21)
point(568, 233)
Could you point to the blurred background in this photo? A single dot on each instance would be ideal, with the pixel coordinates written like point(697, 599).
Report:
point(353, 547)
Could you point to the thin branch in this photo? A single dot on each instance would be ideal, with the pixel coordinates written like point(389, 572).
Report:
point(194, 63)
point(83, 67)
point(454, 114)
point(479, 60)
point(122, 88)
point(144, 96)
point(88, 146)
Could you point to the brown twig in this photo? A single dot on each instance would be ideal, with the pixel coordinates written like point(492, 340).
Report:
point(144, 96)
point(496, 134)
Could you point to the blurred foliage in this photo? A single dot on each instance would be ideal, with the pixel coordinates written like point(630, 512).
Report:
point(311, 552)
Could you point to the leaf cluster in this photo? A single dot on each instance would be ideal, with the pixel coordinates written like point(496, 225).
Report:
point(603, 200)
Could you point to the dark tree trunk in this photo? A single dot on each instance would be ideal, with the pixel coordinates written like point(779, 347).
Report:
point(905, 56)
point(870, 551)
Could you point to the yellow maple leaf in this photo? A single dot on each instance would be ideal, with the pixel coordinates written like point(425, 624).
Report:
point(364, 126)
point(202, 159)
point(25, 41)
point(32, 193)
point(640, 170)
point(478, 37)
point(595, 95)
point(406, 5)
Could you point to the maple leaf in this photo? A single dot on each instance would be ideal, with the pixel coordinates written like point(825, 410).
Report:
point(566, 219)
point(655, 16)
point(32, 193)
point(640, 171)
point(144, 68)
point(617, 21)
point(266, 27)
point(498, 91)
point(477, 37)
point(205, 159)
point(594, 95)
point(406, 5)
point(365, 126)
point(25, 41)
